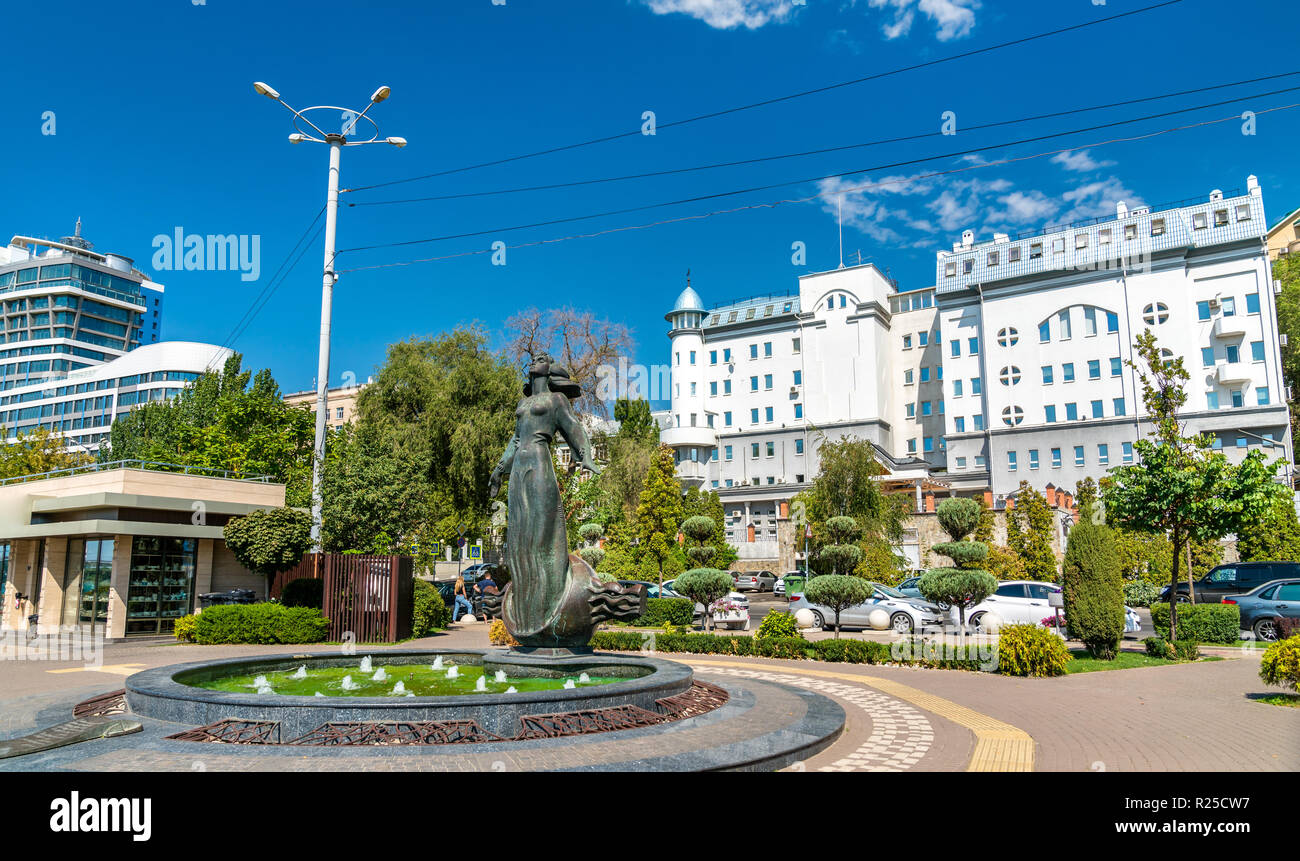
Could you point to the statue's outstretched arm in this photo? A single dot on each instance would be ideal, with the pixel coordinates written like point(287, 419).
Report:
point(575, 435)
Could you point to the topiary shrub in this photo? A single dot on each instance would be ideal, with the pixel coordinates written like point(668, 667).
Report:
point(304, 592)
point(499, 636)
point(704, 586)
point(1093, 589)
point(184, 628)
point(837, 592)
point(429, 612)
point(959, 517)
point(1204, 623)
point(1280, 664)
point(1028, 650)
point(259, 623)
point(779, 623)
point(959, 587)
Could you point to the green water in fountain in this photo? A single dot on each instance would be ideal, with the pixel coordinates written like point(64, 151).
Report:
point(418, 679)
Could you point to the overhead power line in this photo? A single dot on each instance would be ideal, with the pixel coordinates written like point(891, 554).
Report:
point(770, 186)
point(778, 99)
point(272, 283)
point(775, 203)
point(824, 151)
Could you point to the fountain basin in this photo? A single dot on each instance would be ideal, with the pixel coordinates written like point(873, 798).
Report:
point(172, 693)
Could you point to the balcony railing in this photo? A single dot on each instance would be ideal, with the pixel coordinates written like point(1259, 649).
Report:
point(151, 465)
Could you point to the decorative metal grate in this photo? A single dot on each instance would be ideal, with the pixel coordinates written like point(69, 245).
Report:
point(402, 732)
point(233, 731)
point(700, 698)
point(111, 703)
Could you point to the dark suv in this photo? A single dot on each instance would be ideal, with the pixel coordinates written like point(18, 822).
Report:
point(1233, 579)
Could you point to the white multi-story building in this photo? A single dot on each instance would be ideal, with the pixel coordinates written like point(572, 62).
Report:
point(81, 340)
point(1014, 367)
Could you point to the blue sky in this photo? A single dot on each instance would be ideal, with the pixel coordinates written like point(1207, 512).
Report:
point(157, 127)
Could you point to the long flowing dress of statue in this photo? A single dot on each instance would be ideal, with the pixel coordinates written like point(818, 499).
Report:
point(553, 598)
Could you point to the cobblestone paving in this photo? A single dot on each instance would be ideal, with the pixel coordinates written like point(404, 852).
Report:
point(900, 735)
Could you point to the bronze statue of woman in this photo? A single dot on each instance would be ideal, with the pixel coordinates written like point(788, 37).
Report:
point(553, 599)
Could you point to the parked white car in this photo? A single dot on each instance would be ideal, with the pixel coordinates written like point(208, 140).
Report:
point(906, 615)
point(1017, 602)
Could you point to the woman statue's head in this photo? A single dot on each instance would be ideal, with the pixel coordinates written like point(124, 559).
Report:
point(556, 376)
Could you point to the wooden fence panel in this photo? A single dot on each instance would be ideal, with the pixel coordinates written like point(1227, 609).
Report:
point(370, 597)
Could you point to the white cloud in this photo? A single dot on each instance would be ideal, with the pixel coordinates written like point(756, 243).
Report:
point(1079, 161)
point(727, 14)
point(1025, 207)
point(952, 18)
point(1098, 198)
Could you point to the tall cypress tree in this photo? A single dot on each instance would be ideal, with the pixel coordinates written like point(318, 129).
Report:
point(659, 513)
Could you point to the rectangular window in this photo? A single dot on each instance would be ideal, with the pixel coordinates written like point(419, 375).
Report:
point(1050, 413)
point(1128, 452)
point(767, 414)
point(713, 357)
point(928, 444)
point(1094, 369)
point(907, 377)
point(1157, 227)
point(1096, 410)
point(1242, 442)
point(1207, 357)
point(1013, 254)
point(771, 449)
point(767, 381)
point(975, 386)
point(978, 422)
point(1116, 367)
point(1071, 412)
point(753, 416)
point(961, 463)
point(1064, 320)
point(1033, 458)
point(713, 390)
point(1261, 395)
point(973, 346)
point(1035, 250)
point(726, 418)
point(925, 375)
point(1229, 305)
point(992, 258)
point(1257, 351)
point(911, 446)
point(1047, 375)
point(713, 456)
point(956, 388)
point(726, 387)
point(1252, 303)
point(955, 348)
point(1112, 323)
point(1056, 458)
point(726, 355)
point(798, 446)
point(796, 346)
point(753, 384)
point(1078, 455)
point(911, 410)
point(767, 349)
point(1212, 400)
point(1103, 454)
point(753, 449)
point(727, 450)
point(1236, 398)
point(1089, 322)
point(1044, 332)
point(979, 460)
point(907, 342)
point(926, 409)
point(798, 378)
point(923, 338)
point(1011, 461)
point(798, 411)
point(692, 357)
point(1067, 372)
point(1232, 353)
point(959, 424)
point(1119, 405)
point(1203, 310)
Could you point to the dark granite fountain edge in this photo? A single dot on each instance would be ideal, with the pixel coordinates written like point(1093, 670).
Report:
point(156, 693)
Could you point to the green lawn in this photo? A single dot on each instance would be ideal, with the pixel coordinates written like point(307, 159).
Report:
point(1082, 663)
point(1285, 700)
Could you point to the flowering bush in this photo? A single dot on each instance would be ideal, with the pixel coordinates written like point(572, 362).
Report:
point(1053, 622)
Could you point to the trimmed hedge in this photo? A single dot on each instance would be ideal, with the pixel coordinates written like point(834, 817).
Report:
point(1204, 623)
point(779, 623)
point(429, 612)
point(1281, 664)
point(304, 592)
point(1183, 650)
point(1028, 650)
point(184, 628)
point(663, 611)
point(788, 648)
point(259, 623)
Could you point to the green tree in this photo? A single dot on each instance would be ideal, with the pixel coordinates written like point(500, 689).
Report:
point(699, 531)
point(704, 586)
point(1092, 587)
point(232, 420)
point(268, 541)
point(842, 554)
point(635, 421)
point(1274, 536)
point(35, 452)
point(837, 592)
point(1287, 271)
point(658, 514)
point(707, 503)
point(591, 552)
point(1181, 486)
point(1030, 527)
point(966, 584)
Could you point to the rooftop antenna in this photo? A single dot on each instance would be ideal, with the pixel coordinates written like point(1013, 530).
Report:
point(841, 220)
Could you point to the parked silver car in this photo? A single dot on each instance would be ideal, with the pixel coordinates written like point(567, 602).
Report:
point(1263, 605)
point(906, 615)
point(757, 581)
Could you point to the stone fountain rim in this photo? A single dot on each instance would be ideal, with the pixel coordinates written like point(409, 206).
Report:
point(160, 683)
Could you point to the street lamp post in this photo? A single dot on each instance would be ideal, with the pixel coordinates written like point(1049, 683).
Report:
point(336, 143)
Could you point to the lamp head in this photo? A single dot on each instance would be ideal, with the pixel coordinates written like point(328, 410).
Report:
point(397, 142)
point(266, 90)
point(380, 94)
point(297, 138)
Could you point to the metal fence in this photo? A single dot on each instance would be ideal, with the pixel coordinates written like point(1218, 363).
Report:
point(369, 597)
point(150, 465)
